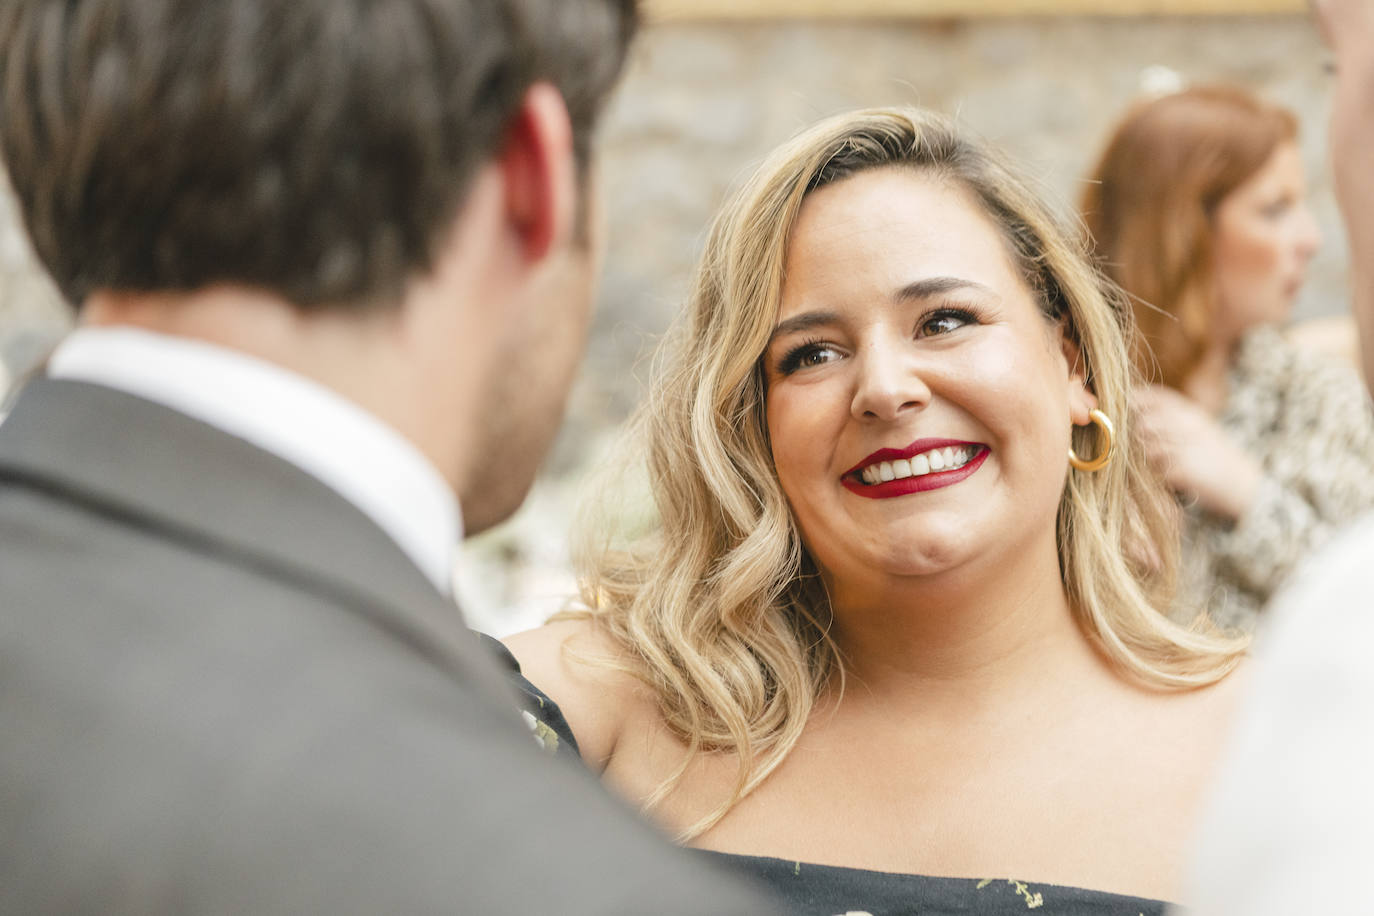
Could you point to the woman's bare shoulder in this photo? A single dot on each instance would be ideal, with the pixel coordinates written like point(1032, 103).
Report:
point(583, 669)
point(1223, 698)
point(1200, 711)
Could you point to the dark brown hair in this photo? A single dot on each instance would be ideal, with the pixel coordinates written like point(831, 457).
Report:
point(1149, 206)
point(318, 149)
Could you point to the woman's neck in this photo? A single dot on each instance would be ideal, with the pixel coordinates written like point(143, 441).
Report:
point(960, 634)
point(1207, 384)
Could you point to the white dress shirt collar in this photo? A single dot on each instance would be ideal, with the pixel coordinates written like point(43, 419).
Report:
point(329, 437)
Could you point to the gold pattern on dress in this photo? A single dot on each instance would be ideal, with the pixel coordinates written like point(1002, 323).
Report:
point(1033, 900)
point(543, 735)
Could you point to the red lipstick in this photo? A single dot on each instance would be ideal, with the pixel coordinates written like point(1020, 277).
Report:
point(932, 481)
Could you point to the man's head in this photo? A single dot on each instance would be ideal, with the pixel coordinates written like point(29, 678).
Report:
point(315, 148)
point(413, 167)
point(1348, 26)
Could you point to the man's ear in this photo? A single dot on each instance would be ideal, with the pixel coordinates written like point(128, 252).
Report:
point(1081, 398)
point(539, 170)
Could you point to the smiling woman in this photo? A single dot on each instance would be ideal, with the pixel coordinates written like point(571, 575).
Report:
point(926, 345)
point(880, 625)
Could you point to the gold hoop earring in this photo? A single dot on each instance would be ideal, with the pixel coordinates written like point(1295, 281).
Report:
point(1105, 431)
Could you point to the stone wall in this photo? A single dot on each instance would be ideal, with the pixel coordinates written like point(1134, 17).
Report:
point(702, 103)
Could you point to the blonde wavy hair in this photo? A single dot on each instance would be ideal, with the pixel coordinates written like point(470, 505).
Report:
point(715, 603)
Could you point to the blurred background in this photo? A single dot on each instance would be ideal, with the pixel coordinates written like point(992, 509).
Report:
point(715, 84)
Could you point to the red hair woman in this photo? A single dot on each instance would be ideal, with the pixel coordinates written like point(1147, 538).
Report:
point(1198, 209)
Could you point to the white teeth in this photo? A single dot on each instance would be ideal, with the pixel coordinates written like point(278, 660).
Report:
point(937, 459)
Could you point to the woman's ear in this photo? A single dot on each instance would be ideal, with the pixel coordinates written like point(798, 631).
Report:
point(1080, 396)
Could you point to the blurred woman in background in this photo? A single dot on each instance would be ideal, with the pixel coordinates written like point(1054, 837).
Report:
point(1199, 211)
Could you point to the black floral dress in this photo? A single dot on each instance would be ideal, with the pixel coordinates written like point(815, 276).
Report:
point(545, 720)
point(827, 890)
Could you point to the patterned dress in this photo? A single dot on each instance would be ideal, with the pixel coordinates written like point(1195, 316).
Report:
point(804, 889)
point(1309, 424)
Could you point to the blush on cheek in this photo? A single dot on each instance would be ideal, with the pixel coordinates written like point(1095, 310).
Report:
point(1252, 286)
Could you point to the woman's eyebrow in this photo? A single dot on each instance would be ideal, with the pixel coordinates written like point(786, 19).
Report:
point(804, 321)
point(920, 289)
point(936, 286)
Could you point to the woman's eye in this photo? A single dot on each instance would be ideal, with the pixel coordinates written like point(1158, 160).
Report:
point(806, 356)
point(942, 322)
point(1277, 208)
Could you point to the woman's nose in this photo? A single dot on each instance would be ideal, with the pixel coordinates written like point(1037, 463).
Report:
point(889, 382)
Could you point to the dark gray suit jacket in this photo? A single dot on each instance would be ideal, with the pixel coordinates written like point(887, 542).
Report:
point(224, 690)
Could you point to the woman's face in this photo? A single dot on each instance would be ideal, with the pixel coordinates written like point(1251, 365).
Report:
point(1264, 236)
point(919, 403)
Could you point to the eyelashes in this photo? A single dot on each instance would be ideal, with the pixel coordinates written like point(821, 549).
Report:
point(938, 322)
point(804, 355)
point(949, 318)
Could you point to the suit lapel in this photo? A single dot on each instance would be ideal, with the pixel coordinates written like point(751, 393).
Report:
point(157, 468)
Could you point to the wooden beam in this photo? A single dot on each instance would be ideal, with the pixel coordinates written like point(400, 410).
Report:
point(683, 10)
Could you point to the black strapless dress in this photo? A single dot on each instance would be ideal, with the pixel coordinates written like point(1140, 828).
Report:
point(804, 889)
point(827, 890)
